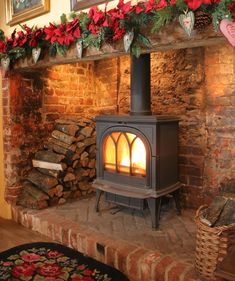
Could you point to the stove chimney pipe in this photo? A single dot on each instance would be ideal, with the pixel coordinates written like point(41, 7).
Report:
point(140, 85)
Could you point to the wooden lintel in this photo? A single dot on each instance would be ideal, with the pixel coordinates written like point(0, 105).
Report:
point(170, 37)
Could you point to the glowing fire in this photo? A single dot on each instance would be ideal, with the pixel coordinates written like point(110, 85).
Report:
point(125, 153)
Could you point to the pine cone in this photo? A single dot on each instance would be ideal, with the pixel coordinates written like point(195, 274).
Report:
point(202, 20)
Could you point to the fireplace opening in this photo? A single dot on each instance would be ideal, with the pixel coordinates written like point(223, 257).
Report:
point(137, 154)
point(125, 153)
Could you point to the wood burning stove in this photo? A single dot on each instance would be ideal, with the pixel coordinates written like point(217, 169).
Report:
point(137, 157)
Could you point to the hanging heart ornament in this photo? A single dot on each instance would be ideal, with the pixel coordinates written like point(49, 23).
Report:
point(127, 40)
point(227, 27)
point(187, 22)
point(5, 62)
point(79, 48)
point(36, 53)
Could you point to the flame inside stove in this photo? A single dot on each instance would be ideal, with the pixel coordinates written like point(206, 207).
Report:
point(125, 153)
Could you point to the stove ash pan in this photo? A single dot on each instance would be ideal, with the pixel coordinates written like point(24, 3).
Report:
point(137, 161)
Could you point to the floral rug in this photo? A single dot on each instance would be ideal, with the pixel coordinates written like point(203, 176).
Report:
point(53, 262)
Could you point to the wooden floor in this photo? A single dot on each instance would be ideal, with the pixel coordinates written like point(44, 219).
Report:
point(13, 234)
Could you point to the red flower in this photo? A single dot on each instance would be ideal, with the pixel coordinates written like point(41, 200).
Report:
point(51, 270)
point(88, 272)
point(7, 263)
point(149, 6)
point(23, 270)
point(3, 47)
point(139, 8)
point(31, 257)
point(54, 254)
point(50, 33)
point(161, 4)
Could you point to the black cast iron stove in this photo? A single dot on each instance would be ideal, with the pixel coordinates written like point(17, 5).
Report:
point(137, 154)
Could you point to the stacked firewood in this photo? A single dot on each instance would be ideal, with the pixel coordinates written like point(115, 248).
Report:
point(221, 211)
point(64, 169)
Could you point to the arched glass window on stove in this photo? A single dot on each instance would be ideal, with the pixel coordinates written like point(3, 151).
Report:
point(124, 153)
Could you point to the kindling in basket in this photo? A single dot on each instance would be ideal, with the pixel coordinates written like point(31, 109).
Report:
point(212, 244)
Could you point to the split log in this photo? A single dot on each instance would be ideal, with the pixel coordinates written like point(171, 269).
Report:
point(49, 156)
point(60, 143)
point(49, 165)
point(59, 149)
point(227, 216)
point(92, 163)
point(42, 181)
point(212, 213)
point(63, 137)
point(54, 173)
point(69, 129)
point(61, 201)
point(34, 191)
point(87, 131)
point(85, 162)
point(92, 148)
point(65, 122)
point(89, 141)
point(59, 190)
point(28, 201)
point(84, 155)
point(80, 138)
point(92, 173)
point(69, 177)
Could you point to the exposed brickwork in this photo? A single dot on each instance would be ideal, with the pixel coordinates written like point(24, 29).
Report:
point(195, 84)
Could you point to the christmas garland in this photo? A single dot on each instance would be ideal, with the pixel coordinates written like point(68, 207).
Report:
point(123, 22)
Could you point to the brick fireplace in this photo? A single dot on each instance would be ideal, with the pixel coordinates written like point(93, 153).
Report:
point(195, 84)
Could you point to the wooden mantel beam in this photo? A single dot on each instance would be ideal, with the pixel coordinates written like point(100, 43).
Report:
point(169, 37)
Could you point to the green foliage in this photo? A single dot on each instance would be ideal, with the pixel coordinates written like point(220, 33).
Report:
point(2, 35)
point(136, 22)
point(221, 12)
point(162, 17)
point(63, 18)
point(181, 6)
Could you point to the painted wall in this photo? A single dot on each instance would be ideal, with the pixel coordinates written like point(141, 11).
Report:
point(58, 7)
point(5, 210)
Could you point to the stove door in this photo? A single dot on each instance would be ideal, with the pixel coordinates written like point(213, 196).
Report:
point(125, 157)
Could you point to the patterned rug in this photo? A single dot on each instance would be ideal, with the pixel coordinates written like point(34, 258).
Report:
point(53, 262)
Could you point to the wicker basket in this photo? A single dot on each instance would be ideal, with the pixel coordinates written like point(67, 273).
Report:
point(212, 244)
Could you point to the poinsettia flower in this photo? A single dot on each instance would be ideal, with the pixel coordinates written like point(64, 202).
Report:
point(50, 33)
point(161, 4)
point(193, 4)
point(2, 47)
point(149, 6)
point(106, 22)
point(72, 25)
point(124, 7)
point(172, 2)
point(139, 8)
point(23, 270)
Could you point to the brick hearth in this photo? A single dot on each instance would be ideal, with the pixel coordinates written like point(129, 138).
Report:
point(121, 238)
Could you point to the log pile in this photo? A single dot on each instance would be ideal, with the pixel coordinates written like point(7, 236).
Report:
point(64, 169)
point(221, 211)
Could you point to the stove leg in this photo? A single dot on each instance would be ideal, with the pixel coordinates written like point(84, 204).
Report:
point(154, 205)
point(176, 196)
point(98, 195)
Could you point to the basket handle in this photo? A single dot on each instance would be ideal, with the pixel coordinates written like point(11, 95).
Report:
point(221, 228)
point(199, 210)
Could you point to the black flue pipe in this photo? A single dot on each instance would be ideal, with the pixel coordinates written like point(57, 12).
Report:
point(140, 85)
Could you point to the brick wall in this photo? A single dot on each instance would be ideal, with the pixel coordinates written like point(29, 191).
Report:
point(195, 84)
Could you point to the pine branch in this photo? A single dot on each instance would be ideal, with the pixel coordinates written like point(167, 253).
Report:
point(161, 18)
point(221, 12)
